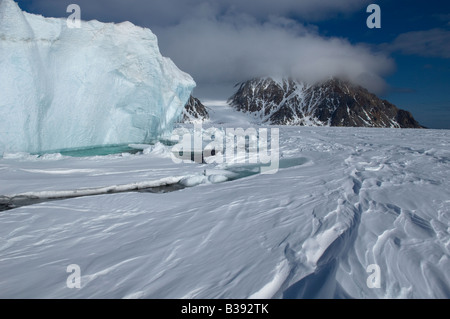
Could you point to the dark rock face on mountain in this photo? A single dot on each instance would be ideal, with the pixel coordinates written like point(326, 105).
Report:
point(330, 103)
point(194, 110)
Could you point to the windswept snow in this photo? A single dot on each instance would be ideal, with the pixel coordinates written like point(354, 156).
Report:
point(221, 113)
point(360, 197)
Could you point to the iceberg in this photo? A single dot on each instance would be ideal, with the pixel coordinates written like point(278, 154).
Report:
point(100, 84)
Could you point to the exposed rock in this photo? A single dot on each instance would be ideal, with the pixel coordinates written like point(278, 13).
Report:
point(330, 103)
point(194, 110)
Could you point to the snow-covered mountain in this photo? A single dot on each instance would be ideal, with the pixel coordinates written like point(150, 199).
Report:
point(194, 111)
point(329, 103)
point(102, 83)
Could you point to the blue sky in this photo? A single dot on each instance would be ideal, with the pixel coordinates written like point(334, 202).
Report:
point(419, 83)
point(220, 43)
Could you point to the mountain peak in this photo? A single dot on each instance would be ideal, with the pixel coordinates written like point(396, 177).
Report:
point(194, 111)
point(332, 102)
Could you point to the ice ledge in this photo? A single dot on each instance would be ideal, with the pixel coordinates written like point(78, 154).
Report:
point(103, 83)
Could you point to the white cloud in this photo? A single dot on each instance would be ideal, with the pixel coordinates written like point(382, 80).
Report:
point(239, 48)
point(223, 42)
point(429, 43)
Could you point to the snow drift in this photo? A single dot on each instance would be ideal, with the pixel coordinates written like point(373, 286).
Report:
point(343, 200)
point(100, 84)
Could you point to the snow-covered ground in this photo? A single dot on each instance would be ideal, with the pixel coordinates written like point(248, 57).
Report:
point(342, 200)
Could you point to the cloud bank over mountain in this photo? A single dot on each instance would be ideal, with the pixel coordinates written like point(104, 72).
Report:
point(222, 43)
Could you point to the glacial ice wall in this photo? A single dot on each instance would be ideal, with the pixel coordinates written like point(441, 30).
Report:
point(100, 84)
